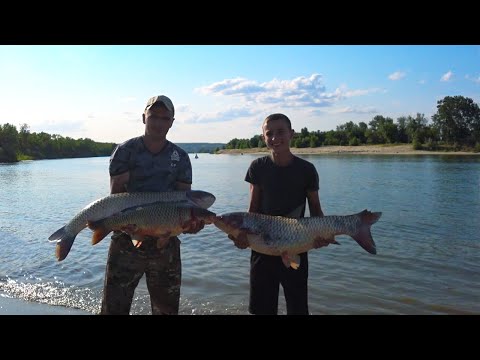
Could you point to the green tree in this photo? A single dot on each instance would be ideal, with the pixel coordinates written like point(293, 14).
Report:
point(415, 128)
point(457, 120)
point(353, 131)
point(304, 132)
point(232, 144)
point(331, 138)
point(254, 141)
point(402, 129)
point(9, 142)
point(384, 128)
point(23, 137)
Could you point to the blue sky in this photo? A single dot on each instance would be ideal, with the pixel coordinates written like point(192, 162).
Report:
point(223, 92)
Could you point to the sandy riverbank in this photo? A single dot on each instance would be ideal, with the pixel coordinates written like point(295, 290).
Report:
point(361, 149)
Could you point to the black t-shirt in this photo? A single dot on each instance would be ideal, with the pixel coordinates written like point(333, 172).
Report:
point(283, 188)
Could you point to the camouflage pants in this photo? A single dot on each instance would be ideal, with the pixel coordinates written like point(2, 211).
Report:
point(126, 265)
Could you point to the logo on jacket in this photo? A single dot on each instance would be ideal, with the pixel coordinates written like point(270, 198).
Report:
point(174, 157)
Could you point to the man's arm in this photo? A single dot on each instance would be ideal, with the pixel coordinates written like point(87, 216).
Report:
point(183, 186)
point(241, 240)
point(118, 183)
point(314, 204)
point(316, 210)
point(255, 193)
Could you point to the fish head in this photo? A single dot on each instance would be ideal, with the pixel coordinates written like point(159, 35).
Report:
point(201, 198)
point(203, 214)
point(230, 223)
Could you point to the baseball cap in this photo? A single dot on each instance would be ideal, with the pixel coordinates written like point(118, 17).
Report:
point(162, 99)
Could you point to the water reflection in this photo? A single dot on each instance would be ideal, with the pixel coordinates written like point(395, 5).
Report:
point(427, 239)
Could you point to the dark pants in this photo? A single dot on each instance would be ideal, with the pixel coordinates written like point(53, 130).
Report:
point(127, 264)
point(266, 274)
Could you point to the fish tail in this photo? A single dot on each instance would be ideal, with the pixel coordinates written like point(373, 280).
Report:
point(99, 231)
point(369, 217)
point(200, 198)
point(64, 242)
point(59, 234)
point(63, 247)
point(364, 237)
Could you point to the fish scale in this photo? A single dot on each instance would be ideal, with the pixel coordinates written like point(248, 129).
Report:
point(283, 236)
point(155, 220)
point(115, 203)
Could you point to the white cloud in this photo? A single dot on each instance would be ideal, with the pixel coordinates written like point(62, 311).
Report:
point(447, 76)
point(302, 93)
point(231, 113)
point(361, 92)
point(237, 110)
point(474, 79)
point(355, 110)
point(397, 75)
point(237, 86)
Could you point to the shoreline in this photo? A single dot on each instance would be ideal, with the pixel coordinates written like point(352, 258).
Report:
point(15, 306)
point(404, 149)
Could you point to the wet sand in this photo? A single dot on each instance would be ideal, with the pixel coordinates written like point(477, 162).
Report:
point(14, 306)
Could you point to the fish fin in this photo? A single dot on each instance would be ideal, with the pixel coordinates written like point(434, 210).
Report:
point(99, 234)
point(137, 236)
point(136, 243)
point(93, 225)
point(59, 234)
point(99, 231)
point(321, 241)
point(253, 238)
point(364, 237)
point(295, 264)
point(291, 260)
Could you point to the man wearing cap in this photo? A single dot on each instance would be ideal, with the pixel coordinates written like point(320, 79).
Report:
point(147, 163)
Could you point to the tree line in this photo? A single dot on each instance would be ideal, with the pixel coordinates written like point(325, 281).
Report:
point(455, 126)
point(22, 144)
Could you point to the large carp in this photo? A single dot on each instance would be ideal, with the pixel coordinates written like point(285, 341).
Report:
point(288, 237)
point(160, 220)
point(115, 203)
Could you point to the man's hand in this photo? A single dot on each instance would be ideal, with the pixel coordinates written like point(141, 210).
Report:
point(193, 226)
point(321, 242)
point(240, 241)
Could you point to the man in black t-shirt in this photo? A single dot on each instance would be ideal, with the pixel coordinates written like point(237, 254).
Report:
point(279, 185)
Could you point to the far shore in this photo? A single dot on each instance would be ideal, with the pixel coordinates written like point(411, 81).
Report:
point(404, 149)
